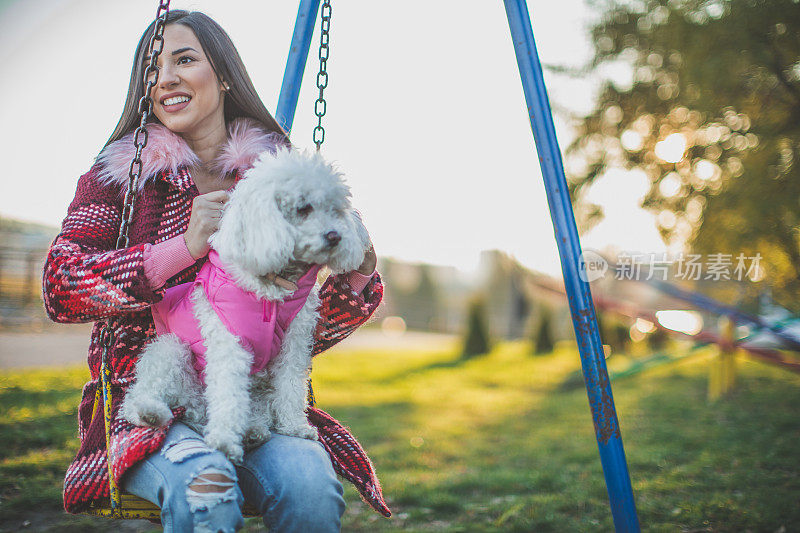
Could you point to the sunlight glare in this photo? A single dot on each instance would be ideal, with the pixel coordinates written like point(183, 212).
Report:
point(645, 326)
point(631, 140)
point(706, 170)
point(670, 185)
point(672, 148)
point(689, 322)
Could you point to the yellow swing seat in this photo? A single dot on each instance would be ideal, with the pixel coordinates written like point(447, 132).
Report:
point(135, 508)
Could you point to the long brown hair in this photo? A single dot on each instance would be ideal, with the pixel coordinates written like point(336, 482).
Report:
point(240, 101)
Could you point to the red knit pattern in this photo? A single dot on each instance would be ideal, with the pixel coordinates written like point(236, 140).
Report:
point(349, 459)
point(344, 310)
point(85, 279)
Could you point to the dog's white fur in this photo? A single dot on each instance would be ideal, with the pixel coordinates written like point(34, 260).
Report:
point(262, 231)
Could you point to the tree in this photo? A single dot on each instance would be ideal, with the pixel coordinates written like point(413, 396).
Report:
point(612, 331)
point(426, 297)
point(413, 294)
point(657, 340)
point(712, 118)
point(476, 340)
point(543, 340)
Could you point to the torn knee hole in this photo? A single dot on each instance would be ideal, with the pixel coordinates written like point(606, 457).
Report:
point(211, 482)
point(179, 451)
point(210, 487)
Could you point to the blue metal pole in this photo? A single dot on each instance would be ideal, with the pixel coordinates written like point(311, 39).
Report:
point(296, 63)
point(598, 386)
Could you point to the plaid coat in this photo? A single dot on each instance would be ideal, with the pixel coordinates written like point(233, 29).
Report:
point(86, 279)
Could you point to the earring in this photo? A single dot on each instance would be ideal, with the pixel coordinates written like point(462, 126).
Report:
point(226, 86)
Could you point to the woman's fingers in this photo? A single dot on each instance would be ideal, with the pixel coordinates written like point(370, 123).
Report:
point(210, 205)
point(216, 196)
point(206, 213)
point(216, 199)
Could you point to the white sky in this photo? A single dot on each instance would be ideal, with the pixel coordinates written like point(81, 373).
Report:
point(426, 114)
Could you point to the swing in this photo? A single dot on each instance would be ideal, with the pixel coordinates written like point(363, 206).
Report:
point(122, 505)
point(598, 385)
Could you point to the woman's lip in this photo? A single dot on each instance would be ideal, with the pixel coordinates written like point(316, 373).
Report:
point(175, 107)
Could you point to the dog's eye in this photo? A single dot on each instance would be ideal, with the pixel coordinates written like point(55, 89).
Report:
point(305, 210)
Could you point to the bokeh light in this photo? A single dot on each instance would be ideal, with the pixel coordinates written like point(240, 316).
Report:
point(632, 140)
point(706, 170)
point(645, 326)
point(670, 185)
point(393, 326)
point(672, 148)
point(688, 322)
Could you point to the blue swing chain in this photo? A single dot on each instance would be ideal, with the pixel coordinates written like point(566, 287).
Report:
point(321, 106)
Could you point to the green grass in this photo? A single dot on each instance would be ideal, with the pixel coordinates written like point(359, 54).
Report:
point(495, 443)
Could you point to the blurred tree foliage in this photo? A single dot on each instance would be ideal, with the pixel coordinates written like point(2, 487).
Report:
point(613, 331)
point(657, 340)
point(476, 339)
point(711, 118)
point(543, 341)
point(412, 293)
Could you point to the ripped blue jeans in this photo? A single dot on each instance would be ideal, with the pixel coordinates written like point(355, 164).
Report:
point(289, 480)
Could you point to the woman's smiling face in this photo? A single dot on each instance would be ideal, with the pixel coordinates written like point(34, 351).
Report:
point(188, 98)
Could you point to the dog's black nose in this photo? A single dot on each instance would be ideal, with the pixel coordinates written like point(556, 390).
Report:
point(333, 238)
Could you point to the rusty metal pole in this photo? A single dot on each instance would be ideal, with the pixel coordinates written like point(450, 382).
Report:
point(598, 386)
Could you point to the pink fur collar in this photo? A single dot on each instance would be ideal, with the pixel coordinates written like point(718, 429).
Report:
point(166, 150)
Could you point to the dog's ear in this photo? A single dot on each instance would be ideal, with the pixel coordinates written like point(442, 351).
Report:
point(351, 251)
point(361, 230)
point(253, 234)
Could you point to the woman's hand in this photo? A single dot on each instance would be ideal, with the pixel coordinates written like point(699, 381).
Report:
point(206, 212)
point(370, 262)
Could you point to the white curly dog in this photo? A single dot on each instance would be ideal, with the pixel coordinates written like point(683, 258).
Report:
point(234, 347)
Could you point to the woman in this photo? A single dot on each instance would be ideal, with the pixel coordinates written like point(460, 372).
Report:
point(209, 126)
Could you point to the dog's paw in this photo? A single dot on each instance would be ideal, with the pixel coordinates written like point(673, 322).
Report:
point(310, 433)
point(195, 416)
point(256, 436)
point(228, 445)
point(303, 431)
point(146, 412)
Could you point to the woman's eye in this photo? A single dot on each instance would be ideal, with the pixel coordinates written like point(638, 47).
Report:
point(305, 210)
point(182, 62)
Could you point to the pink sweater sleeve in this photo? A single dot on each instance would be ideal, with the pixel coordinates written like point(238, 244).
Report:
point(165, 259)
point(357, 280)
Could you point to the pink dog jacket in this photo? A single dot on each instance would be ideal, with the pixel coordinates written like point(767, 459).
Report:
point(259, 324)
